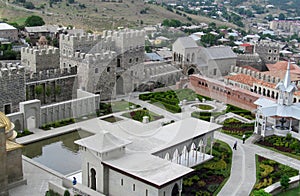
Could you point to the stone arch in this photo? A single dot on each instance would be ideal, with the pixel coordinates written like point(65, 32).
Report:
point(31, 111)
point(167, 156)
point(18, 125)
point(193, 57)
point(93, 179)
point(188, 57)
point(191, 71)
point(175, 190)
point(119, 85)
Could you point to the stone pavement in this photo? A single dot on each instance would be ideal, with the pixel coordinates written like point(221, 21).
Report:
point(243, 170)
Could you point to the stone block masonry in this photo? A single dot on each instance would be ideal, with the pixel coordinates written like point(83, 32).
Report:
point(12, 87)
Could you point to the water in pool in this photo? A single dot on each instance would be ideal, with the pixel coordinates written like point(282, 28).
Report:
point(58, 153)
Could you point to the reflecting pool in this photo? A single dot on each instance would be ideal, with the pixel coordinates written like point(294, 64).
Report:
point(58, 153)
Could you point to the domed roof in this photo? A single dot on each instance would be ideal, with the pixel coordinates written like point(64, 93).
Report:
point(5, 122)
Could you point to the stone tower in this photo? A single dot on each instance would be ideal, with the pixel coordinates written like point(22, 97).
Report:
point(12, 86)
point(269, 53)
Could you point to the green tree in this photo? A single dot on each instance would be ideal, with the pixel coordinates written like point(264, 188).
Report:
point(284, 182)
point(281, 16)
point(29, 5)
point(33, 21)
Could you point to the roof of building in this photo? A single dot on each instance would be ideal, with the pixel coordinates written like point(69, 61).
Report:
point(4, 26)
point(164, 53)
point(220, 52)
point(153, 57)
point(181, 131)
point(148, 168)
point(102, 142)
point(250, 68)
point(278, 70)
point(243, 78)
point(187, 42)
point(42, 29)
point(271, 108)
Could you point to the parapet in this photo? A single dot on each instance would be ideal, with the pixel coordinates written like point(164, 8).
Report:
point(40, 51)
point(10, 70)
point(128, 34)
point(80, 38)
point(50, 74)
point(94, 58)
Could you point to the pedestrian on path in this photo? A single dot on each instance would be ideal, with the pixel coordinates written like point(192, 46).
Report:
point(235, 145)
point(74, 181)
point(244, 138)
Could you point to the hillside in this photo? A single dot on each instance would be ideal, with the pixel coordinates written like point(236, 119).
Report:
point(96, 15)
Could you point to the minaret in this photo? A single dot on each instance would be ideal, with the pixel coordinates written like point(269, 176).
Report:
point(286, 89)
point(3, 173)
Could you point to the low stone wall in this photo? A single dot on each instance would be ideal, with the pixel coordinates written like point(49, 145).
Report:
point(276, 187)
point(87, 104)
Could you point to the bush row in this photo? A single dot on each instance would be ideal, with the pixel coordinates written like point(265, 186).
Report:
point(58, 124)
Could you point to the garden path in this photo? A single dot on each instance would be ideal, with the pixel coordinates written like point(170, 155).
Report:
point(243, 170)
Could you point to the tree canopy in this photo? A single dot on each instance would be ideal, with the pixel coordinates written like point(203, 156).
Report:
point(33, 21)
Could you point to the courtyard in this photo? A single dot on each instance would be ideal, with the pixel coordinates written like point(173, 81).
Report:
point(240, 182)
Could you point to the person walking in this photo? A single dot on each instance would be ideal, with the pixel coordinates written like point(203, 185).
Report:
point(235, 145)
point(74, 181)
point(244, 138)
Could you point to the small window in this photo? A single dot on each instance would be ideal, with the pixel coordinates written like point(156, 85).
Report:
point(269, 58)
point(133, 187)
point(275, 51)
point(130, 60)
point(146, 192)
point(164, 193)
point(137, 60)
point(108, 69)
point(122, 182)
point(96, 70)
point(275, 58)
point(131, 73)
point(270, 51)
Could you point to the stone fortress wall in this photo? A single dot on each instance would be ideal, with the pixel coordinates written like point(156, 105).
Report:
point(37, 59)
point(12, 87)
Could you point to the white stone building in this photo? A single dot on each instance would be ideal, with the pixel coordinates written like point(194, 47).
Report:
point(279, 117)
point(154, 165)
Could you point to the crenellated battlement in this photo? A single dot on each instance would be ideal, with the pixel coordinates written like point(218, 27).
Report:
point(95, 58)
point(256, 74)
point(267, 45)
point(128, 34)
point(40, 51)
point(10, 70)
point(80, 38)
point(50, 74)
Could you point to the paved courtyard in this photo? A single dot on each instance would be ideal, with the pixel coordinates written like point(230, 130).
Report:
point(240, 183)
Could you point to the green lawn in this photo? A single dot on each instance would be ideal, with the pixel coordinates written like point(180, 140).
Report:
point(205, 107)
point(112, 107)
point(291, 192)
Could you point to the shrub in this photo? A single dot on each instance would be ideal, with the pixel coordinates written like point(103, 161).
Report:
point(267, 169)
point(66, 193)
point(201, 183)
point(284, 182)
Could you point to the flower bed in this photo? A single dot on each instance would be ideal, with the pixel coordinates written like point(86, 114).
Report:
point(139, 114)
point(58, 124)
point(169, 100)
point(205, 107)
point(206, 115)
point(237, 128)
point(286, 145)
point(209, 178)
point(269, 172)
point(239, 111)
